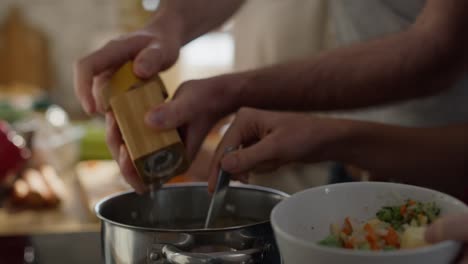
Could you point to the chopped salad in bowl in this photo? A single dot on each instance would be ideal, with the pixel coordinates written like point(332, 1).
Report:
point(394, 227)
point(375, 212)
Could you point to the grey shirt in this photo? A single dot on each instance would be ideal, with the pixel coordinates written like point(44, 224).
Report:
point(360, 20)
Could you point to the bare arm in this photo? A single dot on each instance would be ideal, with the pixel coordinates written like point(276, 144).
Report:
point(153, 48)
point(197, 17)
point(431, 157)
point(425, 59)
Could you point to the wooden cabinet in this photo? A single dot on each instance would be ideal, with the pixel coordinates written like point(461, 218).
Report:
point(24, 52)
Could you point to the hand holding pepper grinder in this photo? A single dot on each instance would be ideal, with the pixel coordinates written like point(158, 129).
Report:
point(157, 156)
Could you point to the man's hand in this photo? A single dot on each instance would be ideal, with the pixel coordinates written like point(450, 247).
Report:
point(450, 228)
point(153, 49)
point(198, 105)
point(272, 139)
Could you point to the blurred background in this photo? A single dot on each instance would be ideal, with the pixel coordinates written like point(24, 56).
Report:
point(39, 42)
point(55, 163)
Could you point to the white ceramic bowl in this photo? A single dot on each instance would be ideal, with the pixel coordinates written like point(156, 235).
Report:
point(300, 221)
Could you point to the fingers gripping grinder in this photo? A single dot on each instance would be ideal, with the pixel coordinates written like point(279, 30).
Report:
point(157, 156)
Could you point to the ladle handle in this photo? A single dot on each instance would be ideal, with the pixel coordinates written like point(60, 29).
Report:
point(217, 200)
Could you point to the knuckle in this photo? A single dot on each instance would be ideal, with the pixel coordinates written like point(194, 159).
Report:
point(275, 148)
point(113, 42)
point(126, 170)
point(182, 89)
point(235, 123)
point(243, 111)
point(177, 116)
point(80, 67)
point(110, 139)
point(242, 158)
point(79, 64)
point(186, 85)
point(243, 114)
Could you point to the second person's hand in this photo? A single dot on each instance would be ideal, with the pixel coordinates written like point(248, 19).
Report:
point(272, 139)
point(452, 227)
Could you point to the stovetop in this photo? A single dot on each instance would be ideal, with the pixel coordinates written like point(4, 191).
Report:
point(68, 248)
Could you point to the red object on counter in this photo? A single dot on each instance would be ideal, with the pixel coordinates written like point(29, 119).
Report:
point(11, 155)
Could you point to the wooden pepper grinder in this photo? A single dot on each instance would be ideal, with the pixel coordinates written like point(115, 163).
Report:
point(157, 156)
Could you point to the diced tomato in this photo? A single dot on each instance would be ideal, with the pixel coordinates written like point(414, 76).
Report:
point(392, 239)
point(403, 210)
point(349, 243)
point(347, 228)
point(411, 202)
point(371, 237)
point(368, 228)
point(373, 242)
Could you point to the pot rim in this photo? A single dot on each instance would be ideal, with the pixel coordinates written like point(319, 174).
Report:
point(98, 206)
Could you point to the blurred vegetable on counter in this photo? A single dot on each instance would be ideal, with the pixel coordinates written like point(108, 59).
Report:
point(39, 188)
point(93, 144)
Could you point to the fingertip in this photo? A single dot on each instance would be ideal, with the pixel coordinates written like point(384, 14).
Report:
point(429, 236)
point(83, 83)
point(138, 185)
point(100, 107)
point(108, 116)
point(108, 126)
point(140, 190)
point(122, 155)
point(210, 189)
point(190, 152)
point(141, 71)
point(434, 232)
point(147, 62)
point(129, 172)
point(156, 118)
point(230, 162)
point(88, 108)
point(244, 178)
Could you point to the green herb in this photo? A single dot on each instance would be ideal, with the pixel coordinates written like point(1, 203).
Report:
point(331, 241)
point(364, 246)
point(389, 248)
point(431, 211)
point(393, 214)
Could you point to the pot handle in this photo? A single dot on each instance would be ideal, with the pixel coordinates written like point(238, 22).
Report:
point(173, 255)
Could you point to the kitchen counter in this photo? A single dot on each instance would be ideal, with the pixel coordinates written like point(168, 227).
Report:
point(71, 216)
point(70, 248)
point(76, 214)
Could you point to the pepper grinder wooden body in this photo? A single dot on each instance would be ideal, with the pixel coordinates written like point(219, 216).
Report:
point(157, 156)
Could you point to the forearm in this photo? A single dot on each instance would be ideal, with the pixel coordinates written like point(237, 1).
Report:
point(420, 61)
point(194, 18)
point(431, 157)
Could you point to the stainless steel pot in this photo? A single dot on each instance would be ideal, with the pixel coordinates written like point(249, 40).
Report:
point(166, 226)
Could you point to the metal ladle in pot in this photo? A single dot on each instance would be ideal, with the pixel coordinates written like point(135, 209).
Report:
point(217, 200)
